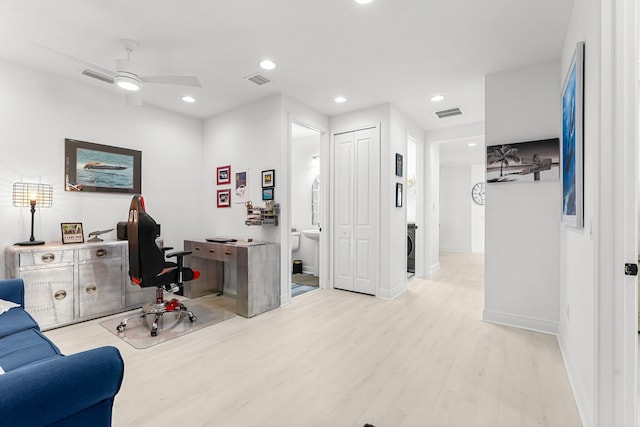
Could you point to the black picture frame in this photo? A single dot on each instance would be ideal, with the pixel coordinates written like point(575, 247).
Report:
point(267, 193)
point(72, 232)
point(268, 178)
point(91, 167)
point(399, 164)
point(398, 195)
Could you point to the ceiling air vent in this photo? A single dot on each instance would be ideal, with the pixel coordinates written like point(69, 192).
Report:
point(258, 79)
point(448, 113)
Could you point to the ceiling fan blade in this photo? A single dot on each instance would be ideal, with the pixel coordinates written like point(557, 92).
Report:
point(133, 98)
point(96, 75)
point(172, 80)
point(100, 69)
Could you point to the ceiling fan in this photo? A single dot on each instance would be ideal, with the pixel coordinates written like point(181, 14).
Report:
point(124, 74)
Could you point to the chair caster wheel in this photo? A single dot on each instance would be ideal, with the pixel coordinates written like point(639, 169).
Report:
point(120, 328)
point(154, 333)
point(192, 319)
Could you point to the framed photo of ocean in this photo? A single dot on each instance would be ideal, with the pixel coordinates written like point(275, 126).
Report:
point(91, 167)
point(573, 141)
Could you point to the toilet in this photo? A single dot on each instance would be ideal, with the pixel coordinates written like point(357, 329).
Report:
point(294, 240)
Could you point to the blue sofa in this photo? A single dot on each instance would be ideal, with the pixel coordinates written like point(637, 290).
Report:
point(42, 387)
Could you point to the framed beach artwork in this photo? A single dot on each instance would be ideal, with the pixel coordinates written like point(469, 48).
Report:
point(573, 141)
point(528, 161)
point(91, 167)
point(241, 192)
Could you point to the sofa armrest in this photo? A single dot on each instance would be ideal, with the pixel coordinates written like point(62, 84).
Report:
point(12, 290)
point(47, 392)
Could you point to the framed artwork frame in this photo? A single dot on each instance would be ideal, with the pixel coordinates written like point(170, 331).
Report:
point(572, 147)
point(72, 232)
point(241, 188)
point(267, 194)
point(268, 178)
point(91, 167)
point(223, 175)
point(223, 198)
point(398, 195)
point(399, 164)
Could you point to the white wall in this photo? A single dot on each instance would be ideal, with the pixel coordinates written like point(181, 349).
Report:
point(577, 250)
point(455, 208)
point(522, 246)
point(303, 171)
point(39, 111)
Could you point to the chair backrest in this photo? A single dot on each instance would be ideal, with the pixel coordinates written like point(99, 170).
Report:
point(146, 259)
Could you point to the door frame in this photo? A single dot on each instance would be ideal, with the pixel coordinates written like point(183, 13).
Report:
point(332, 219)
point(325, 161)
point(421, 219)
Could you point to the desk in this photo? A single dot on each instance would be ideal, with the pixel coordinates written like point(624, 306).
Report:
point(254, 272)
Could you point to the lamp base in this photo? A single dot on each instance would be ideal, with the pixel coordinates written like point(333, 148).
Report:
point(30, 243)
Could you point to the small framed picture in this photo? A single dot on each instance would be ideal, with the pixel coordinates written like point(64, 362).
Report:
point(398, 164)
point(398, 195)
point(72, 232)
point(223, 175)
point(267, 194)
point(268, 178)
point(224, 198)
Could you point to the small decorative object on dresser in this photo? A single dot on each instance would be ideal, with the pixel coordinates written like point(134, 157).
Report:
point(72, 232)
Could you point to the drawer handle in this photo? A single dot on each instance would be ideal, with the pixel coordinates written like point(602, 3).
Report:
point(212, 252)
point(227, 253)
point(91, 289)
point(101, 252)
point(60, 295)
point(197, 248)
point(48, 257)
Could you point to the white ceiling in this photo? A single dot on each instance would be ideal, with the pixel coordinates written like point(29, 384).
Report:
point(398, 51)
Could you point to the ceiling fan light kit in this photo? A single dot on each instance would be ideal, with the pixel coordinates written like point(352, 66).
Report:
point(127, 80)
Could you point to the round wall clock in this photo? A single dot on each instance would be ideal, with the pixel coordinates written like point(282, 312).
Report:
point(477, 193)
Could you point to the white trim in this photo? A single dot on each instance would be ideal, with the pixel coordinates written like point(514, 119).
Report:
point(394, 293)
point(522, 322)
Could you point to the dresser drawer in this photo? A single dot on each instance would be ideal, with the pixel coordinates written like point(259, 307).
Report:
point(99, 252)
point(28, 259)
point(214, 252)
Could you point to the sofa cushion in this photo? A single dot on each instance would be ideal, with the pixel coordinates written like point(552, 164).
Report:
point(23, 348)
point(16, 320)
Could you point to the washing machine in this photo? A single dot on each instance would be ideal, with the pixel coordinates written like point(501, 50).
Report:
point(411, 247)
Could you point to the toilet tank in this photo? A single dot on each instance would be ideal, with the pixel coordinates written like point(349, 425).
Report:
point(294, 240)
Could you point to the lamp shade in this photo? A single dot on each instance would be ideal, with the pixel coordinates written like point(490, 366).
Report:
point(24, 193)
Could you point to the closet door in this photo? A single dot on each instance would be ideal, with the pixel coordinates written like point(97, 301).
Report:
point(357, 188)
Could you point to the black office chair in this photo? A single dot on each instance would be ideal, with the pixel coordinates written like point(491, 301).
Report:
point(148, 266)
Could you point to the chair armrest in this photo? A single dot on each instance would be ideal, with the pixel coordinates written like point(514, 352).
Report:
point(44, 393)
point(12, 290)
point(166, 248)
point(178, 254)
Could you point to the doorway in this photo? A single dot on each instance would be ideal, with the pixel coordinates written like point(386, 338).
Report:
point(412, 204)
point(305, 215)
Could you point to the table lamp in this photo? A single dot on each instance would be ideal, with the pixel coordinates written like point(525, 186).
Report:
point(27, 194)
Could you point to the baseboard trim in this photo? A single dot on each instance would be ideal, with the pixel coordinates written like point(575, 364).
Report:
point(392, 293)
point(522, 322)
point(585, 408)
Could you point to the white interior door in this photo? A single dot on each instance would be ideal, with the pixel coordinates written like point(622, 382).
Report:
point(357, 189)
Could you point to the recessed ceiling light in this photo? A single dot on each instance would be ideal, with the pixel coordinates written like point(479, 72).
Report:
point(363, 1)
point(471, 144)
point(437, 98)
point(189, 99)
point(340, 99)
point(267, 64)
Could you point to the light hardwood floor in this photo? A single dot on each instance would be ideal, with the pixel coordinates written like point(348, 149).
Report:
point(335, 358)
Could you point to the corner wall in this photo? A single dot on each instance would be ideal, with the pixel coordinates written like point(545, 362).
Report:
point(39, 111)
point(522, 252)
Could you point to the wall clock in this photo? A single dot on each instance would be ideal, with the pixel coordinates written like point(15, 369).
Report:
point(477, 193)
